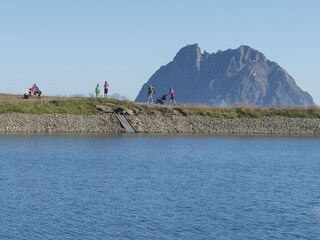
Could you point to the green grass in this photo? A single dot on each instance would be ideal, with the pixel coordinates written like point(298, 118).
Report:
point(86, 106)
point(60, 105)
point(250, 112)
point(38, 106)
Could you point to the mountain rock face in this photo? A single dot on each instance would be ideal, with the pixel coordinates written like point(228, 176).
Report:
point(226, 78)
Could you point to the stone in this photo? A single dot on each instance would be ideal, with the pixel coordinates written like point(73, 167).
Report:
point(128, 112)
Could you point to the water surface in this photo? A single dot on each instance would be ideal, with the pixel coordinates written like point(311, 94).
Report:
point(159, 187)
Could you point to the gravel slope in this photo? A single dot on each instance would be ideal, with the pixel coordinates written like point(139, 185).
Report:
point(108, 123)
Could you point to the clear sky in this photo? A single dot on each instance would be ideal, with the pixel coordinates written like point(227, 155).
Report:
point(68, 46)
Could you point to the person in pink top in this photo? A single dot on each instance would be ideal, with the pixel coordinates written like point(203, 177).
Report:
point(172, 99)
point(106, 88)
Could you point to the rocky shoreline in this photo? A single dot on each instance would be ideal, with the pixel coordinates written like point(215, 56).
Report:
point(59, 123)
point(164, 124)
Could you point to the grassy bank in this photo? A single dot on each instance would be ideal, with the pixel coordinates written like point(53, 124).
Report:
point(57, 105)
point(86, 106)
point(251, 112)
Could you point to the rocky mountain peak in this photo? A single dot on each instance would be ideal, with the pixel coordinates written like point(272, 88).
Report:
point(189, 55)
point(235, 76)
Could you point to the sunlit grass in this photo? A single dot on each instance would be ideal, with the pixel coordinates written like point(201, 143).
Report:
point(87, 106)
point(250, 112)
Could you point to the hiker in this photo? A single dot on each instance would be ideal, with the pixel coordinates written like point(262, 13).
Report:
point(106, 88)
point(172, 100)
point(35, 90)
point(151, 91)
point(97, 90)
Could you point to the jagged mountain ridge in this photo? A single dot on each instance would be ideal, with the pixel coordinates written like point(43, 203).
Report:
point(234, 76)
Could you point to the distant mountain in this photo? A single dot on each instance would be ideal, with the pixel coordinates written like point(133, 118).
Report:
point(78, 95)
point(235, 76)
point(118, 96)
point(114, 95)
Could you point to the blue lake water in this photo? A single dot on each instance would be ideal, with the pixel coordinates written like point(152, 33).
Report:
point(159, 187)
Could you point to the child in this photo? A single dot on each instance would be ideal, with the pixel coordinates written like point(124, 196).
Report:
point(97, 90)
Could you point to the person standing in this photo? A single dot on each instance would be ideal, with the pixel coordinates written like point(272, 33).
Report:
point(151, 91)
point(97, 90)
point(172, 99)
point(106, 88)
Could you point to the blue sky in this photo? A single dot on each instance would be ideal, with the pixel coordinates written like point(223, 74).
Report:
point(68, 46)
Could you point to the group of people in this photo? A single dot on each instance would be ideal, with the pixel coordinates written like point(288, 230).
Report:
point(151, 91)
point(32, 91)
point(106, 89)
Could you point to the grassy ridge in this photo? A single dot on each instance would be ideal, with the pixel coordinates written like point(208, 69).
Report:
point(49, 107)
point(55, 105)
point(251, 112)
point(58, 106)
